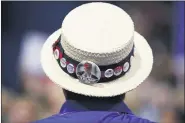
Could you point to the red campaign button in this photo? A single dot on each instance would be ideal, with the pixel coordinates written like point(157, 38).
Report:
point(118, 70)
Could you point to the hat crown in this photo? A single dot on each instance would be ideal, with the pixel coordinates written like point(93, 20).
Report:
point(99, 32)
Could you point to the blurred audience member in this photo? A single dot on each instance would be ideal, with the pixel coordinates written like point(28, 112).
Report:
point(31, 71)
point(23, 110)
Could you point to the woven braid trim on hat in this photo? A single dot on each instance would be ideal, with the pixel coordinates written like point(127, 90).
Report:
point(108, 58)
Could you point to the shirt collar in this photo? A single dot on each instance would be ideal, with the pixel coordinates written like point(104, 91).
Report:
point(74, 106)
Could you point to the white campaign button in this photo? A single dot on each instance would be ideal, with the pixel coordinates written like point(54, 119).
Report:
point(131, 59)
point(70, 68)
point(88, 72)
point(118, 70)
point(56, 53)
point(109, 73)
point(126, 67)
point(63, 62)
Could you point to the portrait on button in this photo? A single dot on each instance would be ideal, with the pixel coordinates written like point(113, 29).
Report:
point(70, 68)
point(109, 73)
point(88, 72)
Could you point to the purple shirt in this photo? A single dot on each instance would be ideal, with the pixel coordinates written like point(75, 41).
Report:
point(74, 112)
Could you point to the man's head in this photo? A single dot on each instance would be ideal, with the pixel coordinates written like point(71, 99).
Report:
point(88, 67)
point(78, 97)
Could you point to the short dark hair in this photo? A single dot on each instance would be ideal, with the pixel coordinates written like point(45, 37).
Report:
point(78, 97)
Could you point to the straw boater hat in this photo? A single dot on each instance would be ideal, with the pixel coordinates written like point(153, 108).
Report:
point(101, 35)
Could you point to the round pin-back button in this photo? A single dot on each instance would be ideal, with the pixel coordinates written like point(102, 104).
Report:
point(108, 73)
point(126, 67)
point(88, 72)
point(63, 62)
point(118, 70)
point(131, 59)
point(56, 53)
point(70, 68)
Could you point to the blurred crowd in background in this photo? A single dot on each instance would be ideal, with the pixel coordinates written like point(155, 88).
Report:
point(28, 95)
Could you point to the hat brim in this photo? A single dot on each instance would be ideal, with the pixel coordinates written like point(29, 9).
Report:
point(141, 66)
